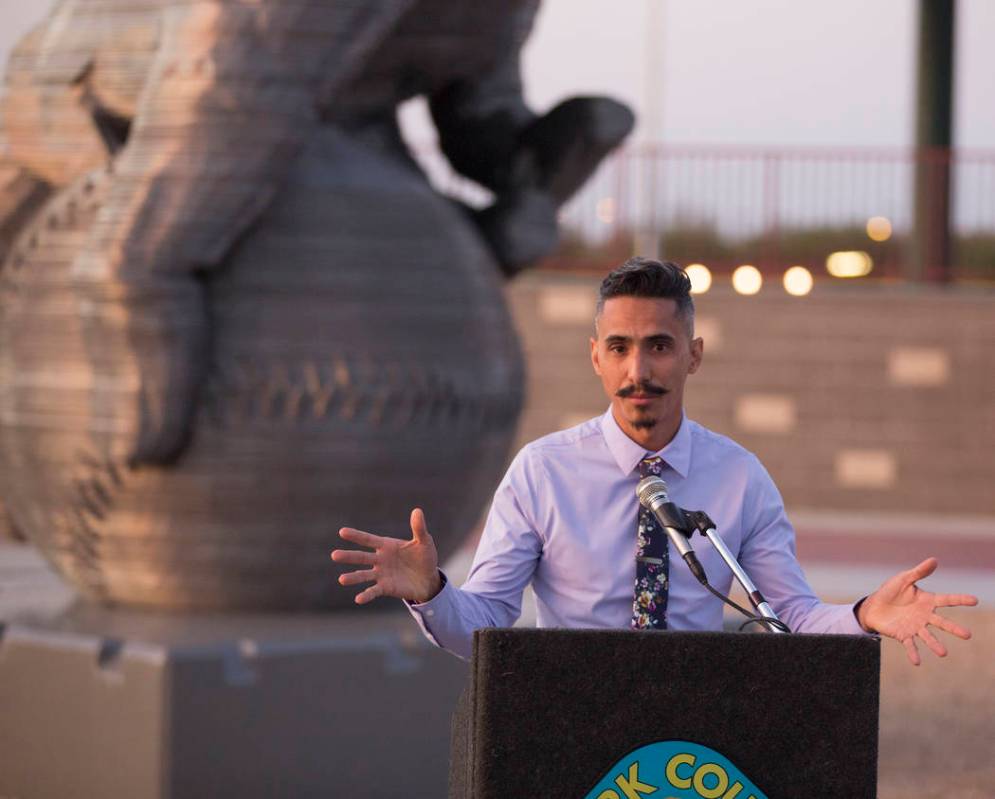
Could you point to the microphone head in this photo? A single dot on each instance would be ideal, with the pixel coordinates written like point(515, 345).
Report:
point(651, 488)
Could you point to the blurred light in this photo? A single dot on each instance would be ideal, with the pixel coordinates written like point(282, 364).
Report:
point(701, 278)
point(747, 279)
point(606, 210)
point(879, 228)
point(798, 281)
point(851, 263)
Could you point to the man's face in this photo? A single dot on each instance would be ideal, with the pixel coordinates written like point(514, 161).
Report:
point(643, 355)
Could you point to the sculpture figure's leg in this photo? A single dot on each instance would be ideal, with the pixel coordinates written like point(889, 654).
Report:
point(532, 163)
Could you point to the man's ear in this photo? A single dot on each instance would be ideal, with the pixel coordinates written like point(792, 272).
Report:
point(697, 353)
point(594, 357)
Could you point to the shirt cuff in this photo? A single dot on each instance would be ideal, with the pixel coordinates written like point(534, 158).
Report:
point(856, 618)
point(424, 611)
point(445, 582)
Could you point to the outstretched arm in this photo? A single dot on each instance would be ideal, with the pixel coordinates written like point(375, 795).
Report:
point(409, 570)
point(506, 559)
point(231, 97)
point(901, 610)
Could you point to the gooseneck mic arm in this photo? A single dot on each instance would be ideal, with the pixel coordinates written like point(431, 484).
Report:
point(679, 525)
point(700, 521)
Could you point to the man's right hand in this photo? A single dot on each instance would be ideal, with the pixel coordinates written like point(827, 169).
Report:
point(403, 569)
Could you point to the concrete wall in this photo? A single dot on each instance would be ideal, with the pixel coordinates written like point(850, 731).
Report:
point(855, 397)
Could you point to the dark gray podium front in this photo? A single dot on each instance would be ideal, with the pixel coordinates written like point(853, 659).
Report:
point(562, 713)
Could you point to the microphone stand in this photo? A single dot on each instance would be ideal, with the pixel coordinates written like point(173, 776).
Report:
point(703, 524)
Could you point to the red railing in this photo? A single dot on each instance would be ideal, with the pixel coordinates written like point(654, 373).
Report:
point(777, 207)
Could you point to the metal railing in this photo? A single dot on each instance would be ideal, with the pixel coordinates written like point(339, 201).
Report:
point(774, 207)
point(777, 207)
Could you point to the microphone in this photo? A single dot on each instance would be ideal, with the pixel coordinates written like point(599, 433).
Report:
point(652, 494)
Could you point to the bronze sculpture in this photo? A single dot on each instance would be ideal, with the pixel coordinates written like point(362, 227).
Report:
point(233, 313)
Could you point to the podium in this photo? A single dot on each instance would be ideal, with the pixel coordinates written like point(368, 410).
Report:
point(591, 714)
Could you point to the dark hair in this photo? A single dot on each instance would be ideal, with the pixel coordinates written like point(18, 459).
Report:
point(644, 277)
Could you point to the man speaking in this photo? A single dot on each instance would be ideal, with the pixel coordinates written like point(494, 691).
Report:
point(566, 518)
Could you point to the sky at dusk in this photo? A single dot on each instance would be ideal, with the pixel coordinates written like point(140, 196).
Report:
point(762, 72)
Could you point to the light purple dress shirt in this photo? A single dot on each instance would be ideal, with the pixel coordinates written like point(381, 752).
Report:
point(564, 517)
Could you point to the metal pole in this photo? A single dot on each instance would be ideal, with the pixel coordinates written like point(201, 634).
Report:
point(648, 241)
point(930, 256)
point(756, 598)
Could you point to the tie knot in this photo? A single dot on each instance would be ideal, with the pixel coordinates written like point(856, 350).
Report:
point(651, 465)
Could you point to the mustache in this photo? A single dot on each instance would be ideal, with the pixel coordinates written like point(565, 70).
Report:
point(641, 388)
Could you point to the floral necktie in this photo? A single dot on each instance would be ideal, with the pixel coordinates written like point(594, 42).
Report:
point(649, 602)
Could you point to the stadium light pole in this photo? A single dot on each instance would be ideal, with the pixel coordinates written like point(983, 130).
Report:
point(934, 138)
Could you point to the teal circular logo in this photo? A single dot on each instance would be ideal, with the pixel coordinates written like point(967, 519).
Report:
point(674, 770)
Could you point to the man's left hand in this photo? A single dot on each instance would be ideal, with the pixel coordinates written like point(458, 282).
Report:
point(901, 610)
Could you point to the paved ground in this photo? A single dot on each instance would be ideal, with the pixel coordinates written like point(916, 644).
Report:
point(937, 721)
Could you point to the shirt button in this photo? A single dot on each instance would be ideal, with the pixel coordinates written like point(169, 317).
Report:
point(429, 612)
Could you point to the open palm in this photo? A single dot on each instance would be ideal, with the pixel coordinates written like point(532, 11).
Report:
point(901, 610)
point(403, 569)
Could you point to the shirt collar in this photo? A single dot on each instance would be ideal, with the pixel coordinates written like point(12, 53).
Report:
point(627, 453)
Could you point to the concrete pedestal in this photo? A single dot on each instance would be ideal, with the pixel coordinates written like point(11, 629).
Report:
point(107, 704)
